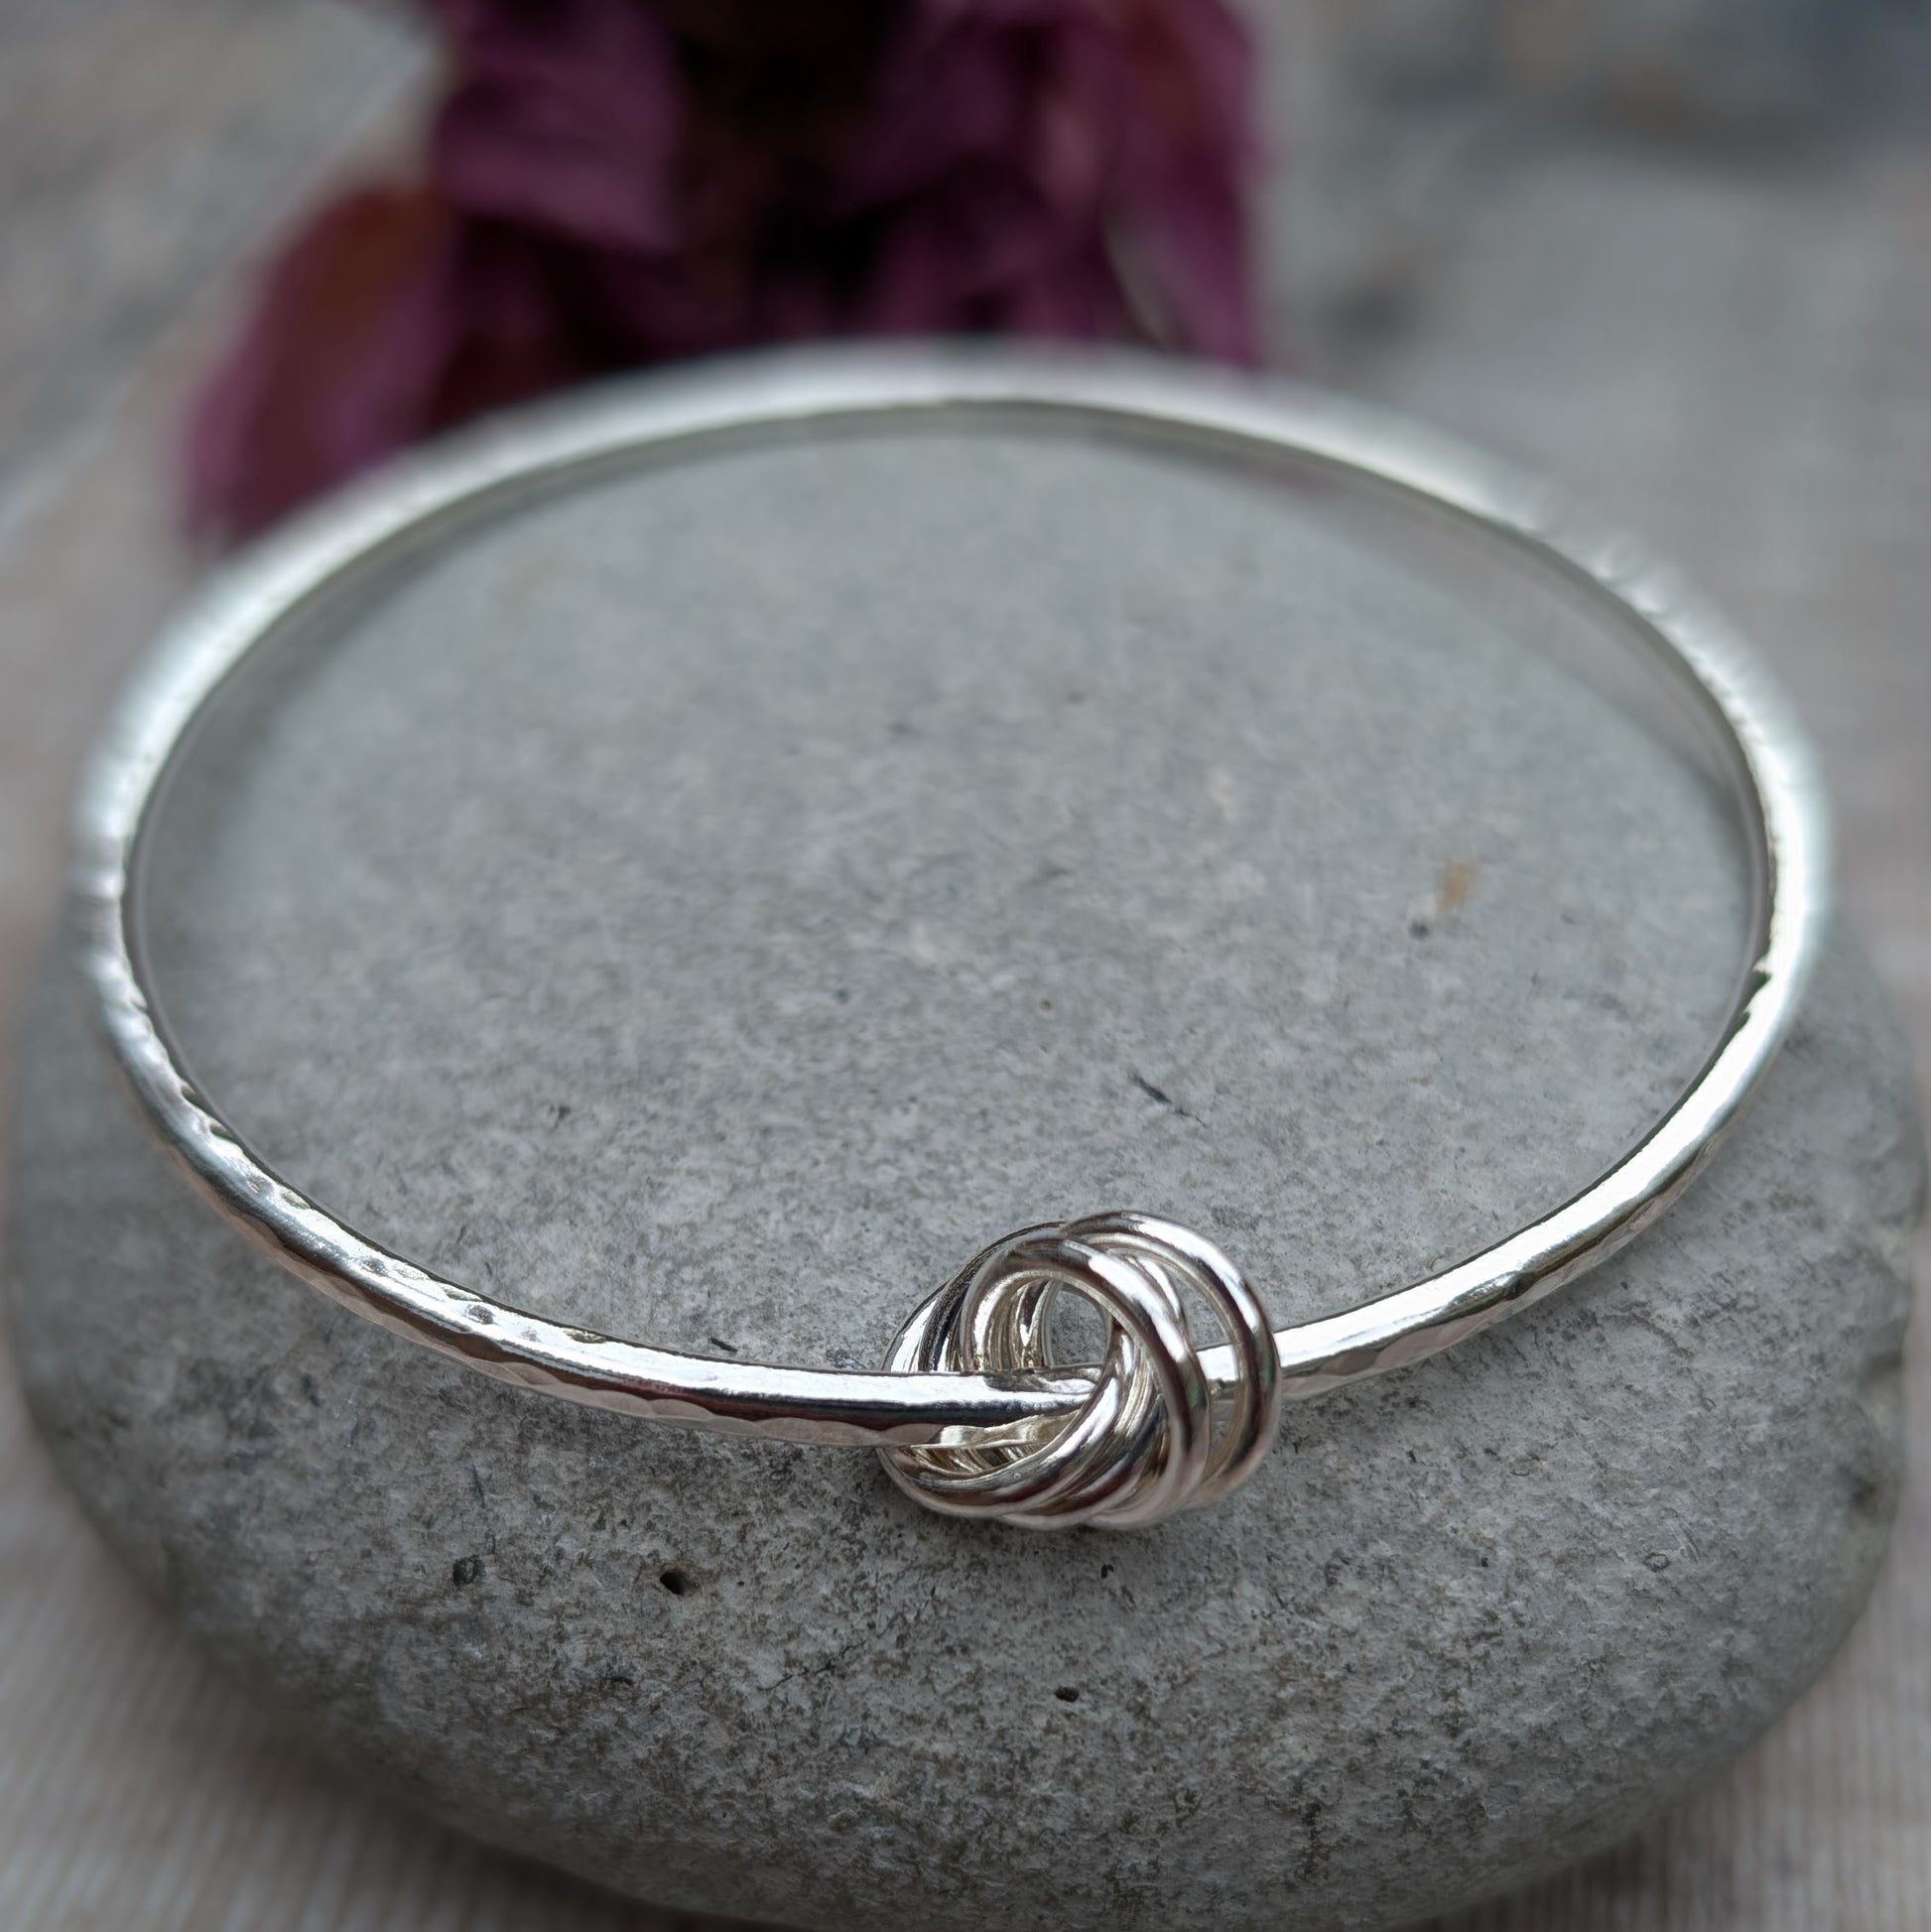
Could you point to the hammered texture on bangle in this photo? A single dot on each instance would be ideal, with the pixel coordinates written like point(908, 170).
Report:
point(974, 1410)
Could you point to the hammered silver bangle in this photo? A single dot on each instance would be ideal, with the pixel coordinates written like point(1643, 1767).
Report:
point(971, 1412)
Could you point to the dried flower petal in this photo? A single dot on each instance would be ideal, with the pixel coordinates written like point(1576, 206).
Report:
point(564, 116)
point(603, 189)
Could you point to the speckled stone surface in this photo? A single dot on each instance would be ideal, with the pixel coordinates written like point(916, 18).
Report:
point(713, 904)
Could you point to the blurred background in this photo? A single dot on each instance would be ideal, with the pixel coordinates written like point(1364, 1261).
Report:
point(1675, 252)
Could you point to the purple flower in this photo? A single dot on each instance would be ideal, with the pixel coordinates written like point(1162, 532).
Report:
point(614, 183)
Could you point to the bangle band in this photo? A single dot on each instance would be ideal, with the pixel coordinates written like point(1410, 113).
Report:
point(971, 1412)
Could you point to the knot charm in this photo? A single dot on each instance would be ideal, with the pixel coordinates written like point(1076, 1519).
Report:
point(1154, 1436)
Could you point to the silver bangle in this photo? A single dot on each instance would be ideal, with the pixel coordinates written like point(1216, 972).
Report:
point(972, 1413)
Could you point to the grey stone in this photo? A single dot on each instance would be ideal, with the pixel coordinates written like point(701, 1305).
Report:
point(716, 902)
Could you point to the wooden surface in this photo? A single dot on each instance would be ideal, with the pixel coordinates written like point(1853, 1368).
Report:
point(1733, 354)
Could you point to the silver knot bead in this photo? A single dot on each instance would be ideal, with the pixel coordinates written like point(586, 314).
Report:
point(1155, 1435)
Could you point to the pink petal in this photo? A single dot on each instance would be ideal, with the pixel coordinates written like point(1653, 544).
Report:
point(565, 117)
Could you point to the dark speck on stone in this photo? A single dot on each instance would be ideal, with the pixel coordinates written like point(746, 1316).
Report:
point(466, 1569)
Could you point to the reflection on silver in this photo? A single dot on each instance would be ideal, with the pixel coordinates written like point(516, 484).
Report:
point(970, 1410)
point(1146, 1441)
